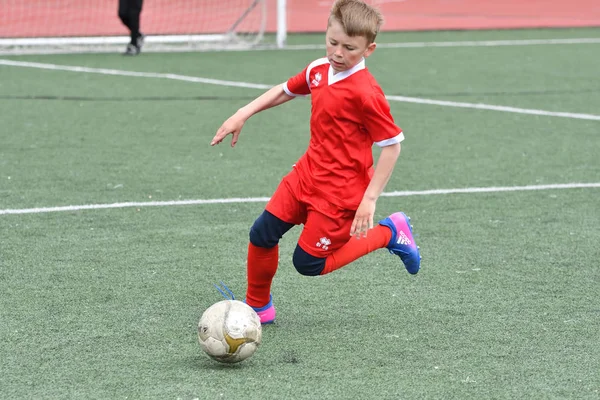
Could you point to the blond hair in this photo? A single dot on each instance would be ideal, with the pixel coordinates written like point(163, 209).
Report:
point(357, 18)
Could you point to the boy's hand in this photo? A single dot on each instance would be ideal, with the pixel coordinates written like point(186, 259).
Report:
point(233, 125)
point(363, 219)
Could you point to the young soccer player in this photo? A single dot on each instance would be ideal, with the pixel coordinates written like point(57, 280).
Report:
point(332, 189)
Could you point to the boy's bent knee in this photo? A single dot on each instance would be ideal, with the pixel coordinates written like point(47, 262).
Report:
point(307, 264)
point(267, 230)
point(260, 238)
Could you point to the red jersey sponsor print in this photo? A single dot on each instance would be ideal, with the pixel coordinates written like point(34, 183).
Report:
point(349, 114)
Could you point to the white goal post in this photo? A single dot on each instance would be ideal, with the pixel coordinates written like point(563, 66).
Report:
point(55, 26)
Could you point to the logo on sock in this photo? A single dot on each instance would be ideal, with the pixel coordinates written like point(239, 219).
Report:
point(403, 239)
point(324, 243)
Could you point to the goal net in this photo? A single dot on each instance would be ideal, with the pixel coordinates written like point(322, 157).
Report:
point(38, 26)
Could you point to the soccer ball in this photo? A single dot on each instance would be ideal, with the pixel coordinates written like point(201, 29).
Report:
point(229, 331)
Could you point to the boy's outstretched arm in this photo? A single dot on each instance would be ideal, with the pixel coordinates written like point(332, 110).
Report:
point(271, 98)
point(363, 219)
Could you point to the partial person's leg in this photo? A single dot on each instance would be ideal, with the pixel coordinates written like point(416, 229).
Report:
point(282, 212)
point(309, 265)
point(129, 13)
point(322, 236)
point(377, 238)
point(325, 244)
point(135, 10)
point(263, 257)
point(124, 15)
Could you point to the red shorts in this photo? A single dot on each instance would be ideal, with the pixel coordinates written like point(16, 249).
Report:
point(326, 226)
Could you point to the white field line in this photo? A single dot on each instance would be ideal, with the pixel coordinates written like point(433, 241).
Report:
point(473, 43)
point(219, 82)
point(240, 200)
point(158, 48)
point(481, 106)
point(40, 210)
point(490, 43)
point(117, 72)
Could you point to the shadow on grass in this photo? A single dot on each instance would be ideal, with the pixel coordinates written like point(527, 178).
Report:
point(202, 362)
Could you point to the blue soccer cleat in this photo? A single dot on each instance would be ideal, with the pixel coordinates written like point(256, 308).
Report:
point(402, 242)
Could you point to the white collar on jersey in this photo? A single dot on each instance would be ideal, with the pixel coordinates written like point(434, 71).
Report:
point(344, 74)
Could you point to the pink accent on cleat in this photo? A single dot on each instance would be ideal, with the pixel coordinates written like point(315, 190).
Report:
point(267, 316)
point(266, 313)
point(402, 242)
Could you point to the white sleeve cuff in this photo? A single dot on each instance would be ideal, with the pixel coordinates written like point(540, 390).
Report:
point(388, 142)
point(289, 93)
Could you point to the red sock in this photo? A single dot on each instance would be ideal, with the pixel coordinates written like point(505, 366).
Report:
point(378, 237)
point(262, 265)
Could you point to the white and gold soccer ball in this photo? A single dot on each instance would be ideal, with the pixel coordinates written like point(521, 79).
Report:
point(229, 331)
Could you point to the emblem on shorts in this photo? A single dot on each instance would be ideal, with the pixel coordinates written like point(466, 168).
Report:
point(324, 243)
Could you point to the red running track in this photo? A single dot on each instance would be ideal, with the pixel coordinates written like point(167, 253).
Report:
point(27, 18)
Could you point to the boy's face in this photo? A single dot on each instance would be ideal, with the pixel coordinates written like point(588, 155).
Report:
point(344, 51)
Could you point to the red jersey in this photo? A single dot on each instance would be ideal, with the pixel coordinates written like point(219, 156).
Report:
point(349, 114)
